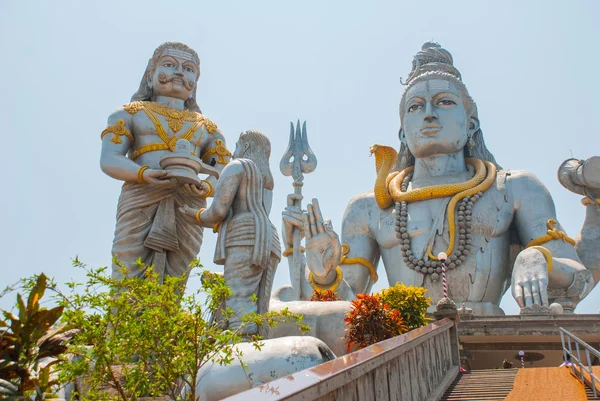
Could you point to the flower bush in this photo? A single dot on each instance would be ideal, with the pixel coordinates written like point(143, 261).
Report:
point(410, 301)
point(371, 321)
point(328, 296)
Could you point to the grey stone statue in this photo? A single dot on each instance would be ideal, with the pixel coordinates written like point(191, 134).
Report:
point(139, 137)
point(445, 192)
point(248, 244)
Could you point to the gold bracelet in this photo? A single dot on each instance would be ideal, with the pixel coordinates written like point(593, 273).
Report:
point(198, 219)
point(345, 260)
point(547, 256)
point(289, 251)
point(339, 277)
point(588, 201)
point(551, 234)
point(210, 189)
point(216, 227)
point(140, 174)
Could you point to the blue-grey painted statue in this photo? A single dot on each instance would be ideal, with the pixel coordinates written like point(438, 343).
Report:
point(138, 137)
point(248, 244)
point(445, 192)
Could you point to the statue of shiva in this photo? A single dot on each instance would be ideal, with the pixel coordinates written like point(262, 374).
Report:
point(445, 192)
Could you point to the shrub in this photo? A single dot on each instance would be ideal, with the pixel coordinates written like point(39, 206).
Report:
point(371, 321)
point(409, 301)
point(30, 345)
point(328, 296)
point(145, 337)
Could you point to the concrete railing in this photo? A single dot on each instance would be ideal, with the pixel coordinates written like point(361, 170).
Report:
point(416, 366)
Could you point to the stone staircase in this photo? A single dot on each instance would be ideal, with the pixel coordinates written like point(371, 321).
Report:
point(490, 384)
point(590, 393)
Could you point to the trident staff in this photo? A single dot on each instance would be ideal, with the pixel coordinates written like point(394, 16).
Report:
point(293, 163)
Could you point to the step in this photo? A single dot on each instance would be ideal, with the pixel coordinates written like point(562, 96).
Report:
point(482, 385)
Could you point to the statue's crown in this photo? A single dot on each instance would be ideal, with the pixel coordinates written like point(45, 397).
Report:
point(432, 58)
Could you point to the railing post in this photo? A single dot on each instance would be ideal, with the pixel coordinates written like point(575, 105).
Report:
point(446, 308)
point(571, 354)
point(591, 371)
point(562, 340)
point(579, 361)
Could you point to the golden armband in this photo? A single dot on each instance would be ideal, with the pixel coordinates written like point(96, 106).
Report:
point(551, 235)
point(118, 130)
point(345, 260)
point(339, 277)
point(547, 256)
point(220, 150)
point(140, 174)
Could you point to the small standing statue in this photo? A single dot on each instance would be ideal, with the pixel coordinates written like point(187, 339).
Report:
point(248, 244)
point(138, 147)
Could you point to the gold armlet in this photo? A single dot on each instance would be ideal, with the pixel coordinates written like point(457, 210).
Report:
point(289, 251)
point(345, 260)
point(210, 189)
point(140, 174)
point(198, 219)
point(220, 150)
point(588, 201)
point(547, 256)
point(118, 130)
point(551, 235)
point(339, 277)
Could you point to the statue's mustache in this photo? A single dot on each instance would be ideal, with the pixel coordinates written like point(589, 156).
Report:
point(163, 79)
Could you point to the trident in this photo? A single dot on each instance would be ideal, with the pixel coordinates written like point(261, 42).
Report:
point(297, 149)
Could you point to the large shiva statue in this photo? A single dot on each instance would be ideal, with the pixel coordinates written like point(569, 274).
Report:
point(444, 192)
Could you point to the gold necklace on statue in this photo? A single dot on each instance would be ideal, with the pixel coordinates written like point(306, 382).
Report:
point(175, 118)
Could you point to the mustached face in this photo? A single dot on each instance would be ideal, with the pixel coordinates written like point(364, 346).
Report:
point(435, 121)
point(175, 75)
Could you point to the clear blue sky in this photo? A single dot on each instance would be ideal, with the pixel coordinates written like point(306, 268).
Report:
point(530, 66)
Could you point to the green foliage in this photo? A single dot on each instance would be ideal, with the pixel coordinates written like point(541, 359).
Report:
point(31, 344)
point(410, 301)
point(371, 321)
point(145, 337)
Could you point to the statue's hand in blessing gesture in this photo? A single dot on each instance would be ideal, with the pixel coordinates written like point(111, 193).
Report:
point(323, 248)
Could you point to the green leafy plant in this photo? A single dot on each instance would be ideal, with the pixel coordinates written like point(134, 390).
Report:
point(371, 321)
point(410, 301)
point(319, 296)
point(145, 337)
point(30, 345)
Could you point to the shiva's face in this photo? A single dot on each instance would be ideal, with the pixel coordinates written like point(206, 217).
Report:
point(435, 119)
point(175, 74)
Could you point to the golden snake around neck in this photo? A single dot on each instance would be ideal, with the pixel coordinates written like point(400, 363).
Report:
point(388, 184)
point(385, 158)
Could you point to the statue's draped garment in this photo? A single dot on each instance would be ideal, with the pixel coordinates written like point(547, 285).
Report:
point(150, 226)
point(248, 245)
